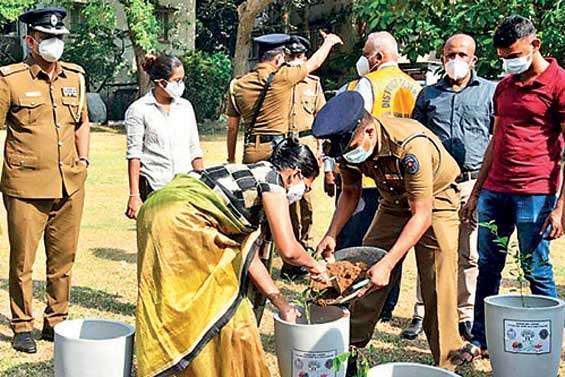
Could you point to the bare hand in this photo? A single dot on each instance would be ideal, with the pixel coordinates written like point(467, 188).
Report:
point(287, 312)
point(468, 213)
point(290, 314)
point(326, 249)
point(331, 38)
point(319, 272)
point(134, 204)
point(329, 183)
point(379, 274)
point(554, 220)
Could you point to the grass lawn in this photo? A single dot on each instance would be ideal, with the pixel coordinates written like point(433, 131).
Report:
point(104, 276)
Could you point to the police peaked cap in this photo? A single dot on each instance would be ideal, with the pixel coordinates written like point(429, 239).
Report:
point(270, 42)
point(338, 119)
point(298, 44)
point(47, 20)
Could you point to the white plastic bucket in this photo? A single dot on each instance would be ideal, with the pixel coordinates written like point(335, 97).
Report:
point(408, 370)
point(93, 348)
point(304, 349)
point(524, 341)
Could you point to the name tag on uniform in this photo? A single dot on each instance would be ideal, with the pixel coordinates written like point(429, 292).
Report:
point(69, 92)
point(32, 94)
point(392, 177)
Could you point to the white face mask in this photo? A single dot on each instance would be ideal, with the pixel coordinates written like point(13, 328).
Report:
point(51, 49)
point(175, 88)
point(357, 155)
point(295, 62)
point(457, 69)
point(518, 65)
point(295, 192)
point(363, 66)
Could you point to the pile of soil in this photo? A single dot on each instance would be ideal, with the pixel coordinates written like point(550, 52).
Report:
point(346, 274)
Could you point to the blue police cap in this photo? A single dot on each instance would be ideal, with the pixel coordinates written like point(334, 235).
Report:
point(338, 119)
point(47, 20)
point(298, 44)
point(270, 42)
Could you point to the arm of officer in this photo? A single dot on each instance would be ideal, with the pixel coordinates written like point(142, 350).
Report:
point(135, 129)
point(418, 179)
point(233, 126)
point(5, 100)
point(82, 135)
point(322, 53)
point(346, 205)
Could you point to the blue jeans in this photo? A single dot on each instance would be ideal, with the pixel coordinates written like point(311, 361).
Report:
point(526, 214)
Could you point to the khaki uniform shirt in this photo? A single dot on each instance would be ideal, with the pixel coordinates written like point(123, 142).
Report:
point(273, 119)
point(307, 100)
point(41, 116)
point(411, 163)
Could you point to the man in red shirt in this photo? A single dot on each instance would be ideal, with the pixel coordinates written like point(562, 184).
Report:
point(520, 175)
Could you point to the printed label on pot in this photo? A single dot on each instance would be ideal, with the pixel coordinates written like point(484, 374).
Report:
point(527, 337)
point(313, 364)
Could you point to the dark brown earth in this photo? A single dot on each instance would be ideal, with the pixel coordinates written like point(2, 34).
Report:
point(346, 274)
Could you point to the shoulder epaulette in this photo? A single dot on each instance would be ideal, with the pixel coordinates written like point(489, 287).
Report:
point(13, 68)
point(313, 77)
point(73, 67)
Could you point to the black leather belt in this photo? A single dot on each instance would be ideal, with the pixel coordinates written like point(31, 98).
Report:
point(251, 139)
point(467, 176)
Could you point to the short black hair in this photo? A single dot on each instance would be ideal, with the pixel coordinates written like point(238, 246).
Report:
point(160, 67)
point(289, 154)
point(512, 29)
point(269, 55)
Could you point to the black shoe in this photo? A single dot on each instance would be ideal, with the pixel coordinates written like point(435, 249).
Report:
point(351, 367)
point(414, 329)
point(290, 272)
point(465, 330)
point(23, 342)
point(48, 334)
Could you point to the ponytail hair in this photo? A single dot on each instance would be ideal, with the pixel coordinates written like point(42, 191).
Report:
point(160, 67)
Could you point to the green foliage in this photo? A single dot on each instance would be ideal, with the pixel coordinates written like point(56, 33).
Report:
point(422, 26)
point(11, 9)
point(96, 44)
point(207, 80)
point(142, 23)
point(216, 26)
point(362, 356)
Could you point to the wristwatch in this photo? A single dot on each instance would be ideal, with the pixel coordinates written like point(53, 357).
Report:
point(85, 160)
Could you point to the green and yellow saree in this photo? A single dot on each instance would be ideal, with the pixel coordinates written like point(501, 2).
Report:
point(192, 318)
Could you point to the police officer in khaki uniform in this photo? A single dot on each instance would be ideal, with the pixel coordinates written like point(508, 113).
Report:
point(43, 104)
point(415, 177)
point(267, 121)
point(307, 100)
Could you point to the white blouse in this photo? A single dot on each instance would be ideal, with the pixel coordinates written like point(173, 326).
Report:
point(166, 143)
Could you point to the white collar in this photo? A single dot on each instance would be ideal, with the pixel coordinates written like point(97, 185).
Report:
point(388, 64)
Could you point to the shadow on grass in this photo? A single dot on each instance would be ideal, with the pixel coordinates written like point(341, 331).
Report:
point(85, 297)
point(40, 368)
point(118, 255)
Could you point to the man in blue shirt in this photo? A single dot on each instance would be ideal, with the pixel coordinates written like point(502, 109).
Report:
point(459, 110)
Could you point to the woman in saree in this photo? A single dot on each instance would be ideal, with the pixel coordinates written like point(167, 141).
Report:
point(196, 255)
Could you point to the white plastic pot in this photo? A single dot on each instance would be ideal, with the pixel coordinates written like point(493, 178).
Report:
point(408, 370)
point(524, 341)
point(93, 348)
point(309, 349)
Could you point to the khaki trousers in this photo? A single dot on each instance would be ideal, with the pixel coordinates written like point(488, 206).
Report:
point(468, 270)
point(58, 220)
point(436, 258)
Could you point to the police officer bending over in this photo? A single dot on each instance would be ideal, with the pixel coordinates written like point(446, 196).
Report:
point(415, 177)
point(43, 103)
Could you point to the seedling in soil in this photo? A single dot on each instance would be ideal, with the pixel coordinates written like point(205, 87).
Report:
point(522, 264)
point(305, 300)
point(362, 357)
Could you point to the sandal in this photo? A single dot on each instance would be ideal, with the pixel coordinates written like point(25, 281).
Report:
point(467, 354)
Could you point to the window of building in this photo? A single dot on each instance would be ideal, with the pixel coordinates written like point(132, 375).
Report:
point(9, 28)
point(164, 19)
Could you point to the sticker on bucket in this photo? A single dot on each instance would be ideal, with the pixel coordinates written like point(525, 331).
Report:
point(527, 337)
point(313, 364)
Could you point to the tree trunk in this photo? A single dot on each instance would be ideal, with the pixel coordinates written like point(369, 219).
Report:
point(247, 12)
point(143, 79)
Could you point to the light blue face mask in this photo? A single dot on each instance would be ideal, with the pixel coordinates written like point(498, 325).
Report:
point(357, 155)
point(518, 65)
